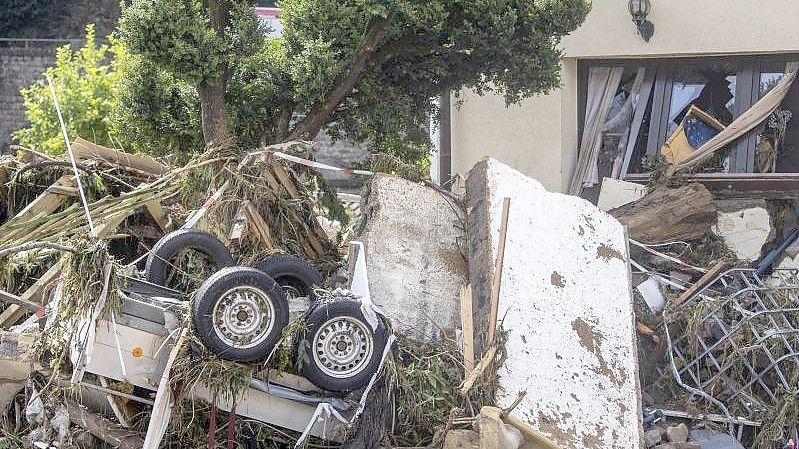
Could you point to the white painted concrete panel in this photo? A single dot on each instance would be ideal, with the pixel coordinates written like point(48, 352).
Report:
point(566, 300)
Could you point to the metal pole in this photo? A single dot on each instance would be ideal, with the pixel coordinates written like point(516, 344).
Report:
point(72, 158)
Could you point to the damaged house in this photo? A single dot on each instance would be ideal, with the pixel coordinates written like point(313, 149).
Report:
point(679, 118)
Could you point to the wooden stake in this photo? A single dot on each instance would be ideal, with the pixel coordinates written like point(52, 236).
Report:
point(478, 371)
point(496, 282)
point(711, 274)
point(467, 327)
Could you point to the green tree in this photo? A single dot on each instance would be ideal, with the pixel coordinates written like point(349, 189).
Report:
point(86, 82)
point(366, 70)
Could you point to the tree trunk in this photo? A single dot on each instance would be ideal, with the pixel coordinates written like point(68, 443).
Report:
point(215, 119)
point(666, 214)
point(112, 433)
point(316, 119)
point(216, 129)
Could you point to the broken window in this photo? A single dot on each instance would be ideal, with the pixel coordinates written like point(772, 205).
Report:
point(682, 103)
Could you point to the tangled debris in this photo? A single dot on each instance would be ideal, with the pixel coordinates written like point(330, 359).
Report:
point(259, 205)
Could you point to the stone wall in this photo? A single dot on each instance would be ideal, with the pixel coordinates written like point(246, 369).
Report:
point(19, 67)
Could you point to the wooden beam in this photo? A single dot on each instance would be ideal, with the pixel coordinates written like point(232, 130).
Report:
point(496, 282)
point(259, 226)
point(478, 371)
point(467, 328)
point(157, 213)
point(83, 149)
point(47, 202)
point(285, 179)
point(19, 301)
point(709, 276)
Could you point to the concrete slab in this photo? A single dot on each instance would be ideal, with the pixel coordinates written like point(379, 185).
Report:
point(566, 301)
point(413, 236)
point(16, 360)
point(744, 227)
point(615, 193)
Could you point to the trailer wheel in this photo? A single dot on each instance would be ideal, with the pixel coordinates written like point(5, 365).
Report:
point(239, 314)
point(295, 276)
point(160, 262)
point(345, 351)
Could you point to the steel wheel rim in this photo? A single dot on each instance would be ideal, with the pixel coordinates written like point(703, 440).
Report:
point(342, 347)
point(243, 317)
point(291, 292)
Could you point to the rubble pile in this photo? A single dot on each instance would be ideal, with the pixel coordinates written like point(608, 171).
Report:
point(234, 302)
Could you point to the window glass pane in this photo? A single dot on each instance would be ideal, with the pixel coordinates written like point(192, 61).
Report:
point(770, 74)
point(710, 87)
point(777, 142)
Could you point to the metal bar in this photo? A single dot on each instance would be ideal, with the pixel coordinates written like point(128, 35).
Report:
point(635, 127)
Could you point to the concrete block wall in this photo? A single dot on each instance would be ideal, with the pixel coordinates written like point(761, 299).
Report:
point(19, 67)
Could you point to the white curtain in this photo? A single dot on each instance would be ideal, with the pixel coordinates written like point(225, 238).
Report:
point(603, 83)
point(745, 122)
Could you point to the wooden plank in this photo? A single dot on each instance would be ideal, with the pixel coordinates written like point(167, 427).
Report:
point(14, 299)
point(239, 226)
point(496, 282)
point(271, 181)
point(157, 214)
point(467, 328)
point(478, 371)
point(709, 276)
point(83, 149)
point(285, 180)
point(259, 226)
point(47, 202)
point(740, 185)
point(61, 190)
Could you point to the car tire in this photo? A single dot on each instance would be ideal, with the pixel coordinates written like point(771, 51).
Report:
point(294, 274)
point(165, 250)
point(239, 314)
point(344, 350)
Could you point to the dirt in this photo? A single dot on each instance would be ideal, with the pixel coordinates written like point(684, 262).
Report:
point(605, 252)
point(591, 339)
point(557, 280)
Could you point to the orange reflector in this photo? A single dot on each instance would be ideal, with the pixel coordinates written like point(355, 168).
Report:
point(137, 352)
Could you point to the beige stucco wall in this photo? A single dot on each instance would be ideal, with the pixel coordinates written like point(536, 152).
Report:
point(539, 137)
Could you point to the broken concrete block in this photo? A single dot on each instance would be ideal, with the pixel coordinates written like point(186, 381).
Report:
point(652, 437)
point(711, 439)
point(571, 344)
point(615, 193)
point(16, 357)
point(677, 434)
point(462, 439)
point(744, 227)
point(415, 264)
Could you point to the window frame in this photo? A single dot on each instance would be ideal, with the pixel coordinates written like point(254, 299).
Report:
point(658, 85)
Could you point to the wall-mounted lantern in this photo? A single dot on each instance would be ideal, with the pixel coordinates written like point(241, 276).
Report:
point(639, 9)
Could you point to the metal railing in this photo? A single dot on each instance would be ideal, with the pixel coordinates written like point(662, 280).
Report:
point(37, 43)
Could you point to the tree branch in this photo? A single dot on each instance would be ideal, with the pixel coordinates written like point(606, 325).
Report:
point(310, 126)
point(36, 245)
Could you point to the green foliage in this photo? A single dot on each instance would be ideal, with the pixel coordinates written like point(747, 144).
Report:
point(176, 35)
point(147, 100)
point(157, 113)
point(86, 83)
point(504, 46)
